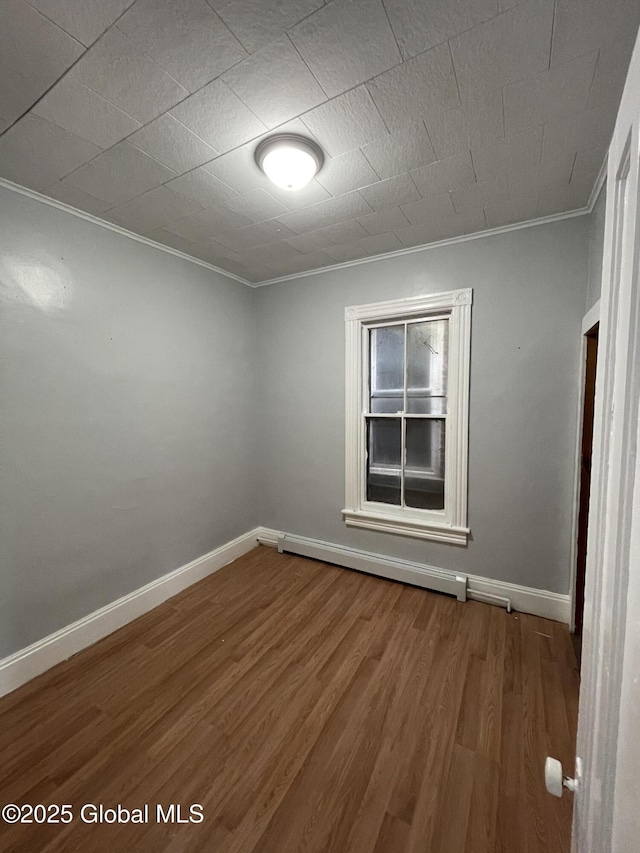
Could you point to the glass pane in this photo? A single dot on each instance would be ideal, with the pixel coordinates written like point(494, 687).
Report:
point(427, 354)
point(384, 448)
point(386, 380)
point(420, 405)
point(387, 405)
point(424, 465)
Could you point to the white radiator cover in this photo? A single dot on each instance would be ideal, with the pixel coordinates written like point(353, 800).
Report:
point(417, 574)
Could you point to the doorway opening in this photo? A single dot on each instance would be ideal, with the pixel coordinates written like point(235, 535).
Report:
point(586, 450)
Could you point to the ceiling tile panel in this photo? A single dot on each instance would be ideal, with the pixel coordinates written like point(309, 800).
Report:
point(207, 224)
point(345, 252)
point(347, 172)
point(582, 26)
point(239, 170)
point(477, 196)
point(256, 24)
point(553, 171)
point(391, 192)
point(445, 175)
point(257, 205)
point(465, 223)
point(275, 83)
point(313, 193)
point(346, 42)
point(202, 187)
point(120, 174)
point(427, 209)
point(36, 153)
point(85, 20)
point(384, 220)
point(393, 155)
point(75, 108)
point(151, 210)
point(611, 72)
point(507, 48)
point(312, 260)
point(587, 167)
point(552, 199)
point(186, 38)
point(476, 122)
point(218, 116)
point(123, 74)
point(214, 252)
point(549, 94)
point(64, 192)
point(519, 151)
point(419, 26)
point(265, 255)
point(173, 144)
point(34, 53)
point(338, 209)
point(387, 242)
point(416, 88)
point(174, 241)
point(330, 235)
point(252, 236)
point(346, 122)
point(418, 235)
point(517, 209)
point(578, 132)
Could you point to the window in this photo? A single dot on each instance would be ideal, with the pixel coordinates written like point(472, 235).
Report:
point(407, 416)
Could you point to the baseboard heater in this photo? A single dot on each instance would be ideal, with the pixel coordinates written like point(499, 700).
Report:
point(416, 574)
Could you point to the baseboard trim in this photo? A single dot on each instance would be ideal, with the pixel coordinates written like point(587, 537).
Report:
point(26, 664)
point(526, 599)
point(537, 602)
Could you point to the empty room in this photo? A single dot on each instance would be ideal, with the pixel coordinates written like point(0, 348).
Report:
point(319, 394)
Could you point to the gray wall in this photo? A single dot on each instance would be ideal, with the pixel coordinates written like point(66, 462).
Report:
point(127, 432)
point(529, 294)
point(596, 248)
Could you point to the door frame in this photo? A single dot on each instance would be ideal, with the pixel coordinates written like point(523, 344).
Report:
point(605, 810)
point(589, 321)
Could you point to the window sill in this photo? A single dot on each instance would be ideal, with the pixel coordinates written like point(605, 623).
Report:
point(406, 527)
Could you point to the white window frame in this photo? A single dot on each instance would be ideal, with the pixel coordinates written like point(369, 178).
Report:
point(447, 525)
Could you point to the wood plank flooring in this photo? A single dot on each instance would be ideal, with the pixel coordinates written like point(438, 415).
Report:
point(305, 708)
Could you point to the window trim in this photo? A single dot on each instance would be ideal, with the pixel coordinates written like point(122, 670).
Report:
point(448, 525)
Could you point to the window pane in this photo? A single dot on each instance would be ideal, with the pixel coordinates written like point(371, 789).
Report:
point(387, 405)
point(424, 465)
point(386, 380)
point(421, 405)
point(384, 448)
point(427, 353)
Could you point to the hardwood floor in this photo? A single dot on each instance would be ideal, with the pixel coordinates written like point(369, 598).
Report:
point(305, 708)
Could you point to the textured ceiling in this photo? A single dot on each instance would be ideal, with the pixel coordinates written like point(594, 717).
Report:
point(437, 118)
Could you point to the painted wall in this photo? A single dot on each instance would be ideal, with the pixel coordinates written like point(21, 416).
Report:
point(596, 249)
point(529, 295)
point(127, 431)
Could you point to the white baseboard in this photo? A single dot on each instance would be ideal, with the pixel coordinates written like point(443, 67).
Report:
point(24, 665)
point(538, 602)
point(526, 599)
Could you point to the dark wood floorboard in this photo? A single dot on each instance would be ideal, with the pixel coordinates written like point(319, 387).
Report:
point(305, 708)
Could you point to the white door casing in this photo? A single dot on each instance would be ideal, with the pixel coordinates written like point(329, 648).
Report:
point(606, 814)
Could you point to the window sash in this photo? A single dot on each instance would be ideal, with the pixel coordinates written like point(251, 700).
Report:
point(449, 524)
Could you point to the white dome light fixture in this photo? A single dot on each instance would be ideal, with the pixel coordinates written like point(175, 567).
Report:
point(289, 161)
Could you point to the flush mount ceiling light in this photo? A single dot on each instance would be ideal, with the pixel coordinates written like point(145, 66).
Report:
point(289, 161)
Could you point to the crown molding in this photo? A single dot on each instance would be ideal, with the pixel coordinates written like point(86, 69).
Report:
point(81, 214)
point(450, 241)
